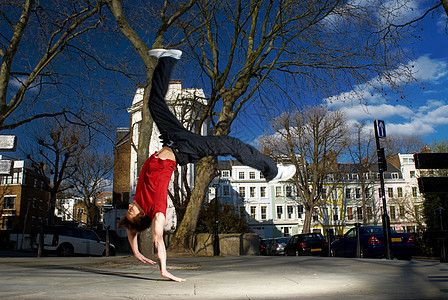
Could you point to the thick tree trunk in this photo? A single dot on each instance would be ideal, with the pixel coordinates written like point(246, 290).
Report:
point(183, 238)
point(307, 220)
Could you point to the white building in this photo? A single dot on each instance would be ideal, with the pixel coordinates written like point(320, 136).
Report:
point(186, 104)
point(274, 210)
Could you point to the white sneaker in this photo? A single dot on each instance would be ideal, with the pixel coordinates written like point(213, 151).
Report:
point(165, 53)
point(284, 173)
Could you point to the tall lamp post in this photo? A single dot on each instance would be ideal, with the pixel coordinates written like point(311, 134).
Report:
point(216, 235)
point(380, 132)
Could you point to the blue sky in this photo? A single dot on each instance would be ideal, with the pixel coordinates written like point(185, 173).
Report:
point(423, 111)
point(420, 110)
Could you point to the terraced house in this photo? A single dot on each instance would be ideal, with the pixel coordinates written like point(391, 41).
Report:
point(352, 196)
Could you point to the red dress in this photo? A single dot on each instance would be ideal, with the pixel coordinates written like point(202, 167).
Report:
point(152, 186)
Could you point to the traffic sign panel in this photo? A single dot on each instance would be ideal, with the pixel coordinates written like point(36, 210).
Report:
point(381, 128)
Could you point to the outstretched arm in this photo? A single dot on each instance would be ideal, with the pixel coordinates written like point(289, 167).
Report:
point(158, 223)
point(132, 238)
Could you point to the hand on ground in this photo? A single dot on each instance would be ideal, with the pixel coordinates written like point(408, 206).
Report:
point(144, 259)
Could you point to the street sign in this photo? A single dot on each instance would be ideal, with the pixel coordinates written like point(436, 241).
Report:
point(381, 128)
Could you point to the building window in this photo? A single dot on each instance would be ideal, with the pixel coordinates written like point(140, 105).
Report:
point(359, 212)
point(80, 213)
point(334, 195)
point(252, 191)
point(400, 192)
point(367, 191)
point(335, 214)
point(349, 213)
point(358, 193)
point(369, 213)
point(251, 175)
point(278, 191)
point(315, 215)
point(392, 213)
point(279, 212)
point(226, 190)
point(412, 174)
point(240, 175)
point(288, 191)
point(414, 191)
point(299, 211)
point(225, 173)
point(263, 191)
point(290, 211)
point(348, 193)
point(9, 202)
point(263, 212)
point(394, 175)
point(253, 212)
point(286, 231)
point(324, 193)
point(390, 192)
point(402, 211)
point(242, 191)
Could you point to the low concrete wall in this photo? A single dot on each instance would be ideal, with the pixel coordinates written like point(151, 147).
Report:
point(229, 244)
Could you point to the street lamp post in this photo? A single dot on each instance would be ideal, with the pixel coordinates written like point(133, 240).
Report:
point(382, 166)
point(216, 235)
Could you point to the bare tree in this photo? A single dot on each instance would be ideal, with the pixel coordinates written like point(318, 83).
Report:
point(150, 62)
point(91, 172)
point(402, 144)
point(362, 153)
point(310, 139)
point(245, 46)
point(56, 144)
point(34, 35)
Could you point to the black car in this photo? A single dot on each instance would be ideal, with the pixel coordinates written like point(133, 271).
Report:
point(307, 244)
point(372, 243)
point(263, 246)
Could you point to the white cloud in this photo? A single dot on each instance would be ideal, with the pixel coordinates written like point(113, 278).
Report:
point(363, 103)
point(424, 70)
point(383, 111)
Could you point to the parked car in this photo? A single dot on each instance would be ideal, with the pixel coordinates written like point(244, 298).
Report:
point(67, 241)
point(277, 246)
point(263, 246)
point(307, 244)
point(372, 243)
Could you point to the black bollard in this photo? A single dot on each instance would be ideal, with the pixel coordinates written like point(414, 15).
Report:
point(358, 240)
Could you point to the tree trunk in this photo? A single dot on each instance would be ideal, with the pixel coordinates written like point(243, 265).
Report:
point(183, 238)
point(307, 222)
point(52, 204)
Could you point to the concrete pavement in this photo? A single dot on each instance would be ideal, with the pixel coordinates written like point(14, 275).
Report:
point(236, 277)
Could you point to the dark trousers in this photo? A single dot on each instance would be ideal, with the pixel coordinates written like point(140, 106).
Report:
point(189, 147)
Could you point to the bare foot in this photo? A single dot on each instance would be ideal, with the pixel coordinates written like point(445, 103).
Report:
point(170, 276)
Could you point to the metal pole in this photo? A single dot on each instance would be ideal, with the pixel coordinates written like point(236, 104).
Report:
point(385, 217)
point(40, 249)
point(358, 240)
point(216, 235)
point(107, 241)
point(443, 254)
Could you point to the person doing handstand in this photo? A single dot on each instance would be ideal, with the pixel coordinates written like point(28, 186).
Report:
point(180, 147)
